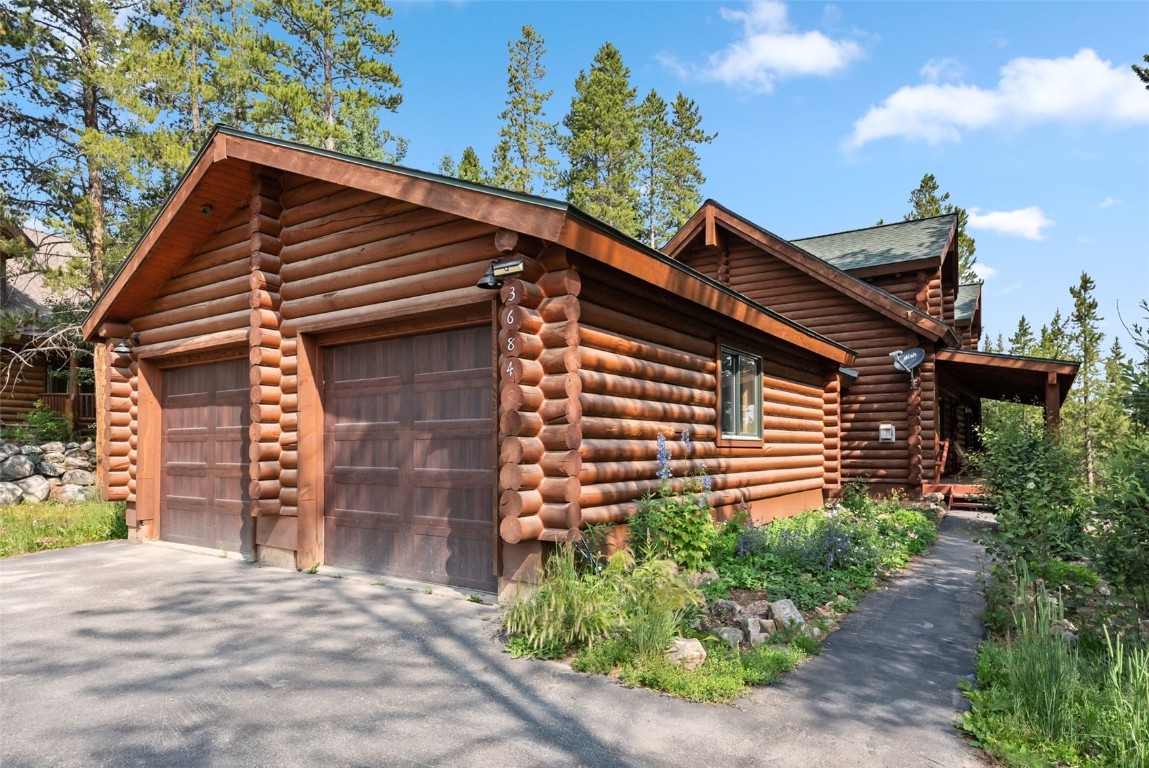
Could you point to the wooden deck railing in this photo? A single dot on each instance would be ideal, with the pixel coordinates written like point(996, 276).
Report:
point(85, 407)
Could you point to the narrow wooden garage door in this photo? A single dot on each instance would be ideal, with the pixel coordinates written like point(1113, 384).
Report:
point(410, 467)
point(203, 487)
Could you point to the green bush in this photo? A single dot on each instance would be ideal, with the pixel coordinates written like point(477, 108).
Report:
point(1121, 530)
point(1034, 487)
point(45, 425)
point(676, 523)
point(639, 606)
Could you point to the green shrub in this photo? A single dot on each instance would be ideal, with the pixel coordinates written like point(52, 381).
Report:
point(640, 606)
point(1034, 487)
point(45, 425)
point(765, 664)
point(720, 678)
point(1121, 530)
point(676, 523)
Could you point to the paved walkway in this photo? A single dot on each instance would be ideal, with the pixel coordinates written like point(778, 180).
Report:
point(119, 654)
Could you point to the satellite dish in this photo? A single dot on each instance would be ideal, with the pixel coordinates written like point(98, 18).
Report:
point(908, 360)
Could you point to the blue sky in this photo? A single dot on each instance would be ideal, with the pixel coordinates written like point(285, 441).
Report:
point(828, 115)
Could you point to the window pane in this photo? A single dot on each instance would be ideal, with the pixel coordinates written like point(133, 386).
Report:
point(729, 394)
point(748, 389)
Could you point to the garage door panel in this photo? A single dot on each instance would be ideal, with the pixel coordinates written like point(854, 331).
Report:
point(203, 485)
point(412, 452)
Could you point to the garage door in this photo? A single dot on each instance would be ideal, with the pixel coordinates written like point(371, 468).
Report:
point(203, 487)
point(410, 468)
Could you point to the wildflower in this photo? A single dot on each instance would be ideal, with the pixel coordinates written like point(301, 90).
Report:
point(686, 441)
point(707, 483)
point(663, 456)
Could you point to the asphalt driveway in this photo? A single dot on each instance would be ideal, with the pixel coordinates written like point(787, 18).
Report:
point(121, 654)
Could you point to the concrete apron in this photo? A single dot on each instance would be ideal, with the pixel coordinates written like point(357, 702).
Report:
point(120, 654)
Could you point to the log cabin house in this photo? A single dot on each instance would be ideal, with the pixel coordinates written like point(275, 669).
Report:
point(881, 290)
point(302, 368)
point(29, 373)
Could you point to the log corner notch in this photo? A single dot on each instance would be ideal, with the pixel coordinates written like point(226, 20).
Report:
point(539, 414)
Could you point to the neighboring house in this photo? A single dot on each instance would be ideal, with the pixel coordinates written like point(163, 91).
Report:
point(881, 290)
point(303, 369)
point(28, 374)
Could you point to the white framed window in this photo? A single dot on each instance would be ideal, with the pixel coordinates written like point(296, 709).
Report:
point(740, 395)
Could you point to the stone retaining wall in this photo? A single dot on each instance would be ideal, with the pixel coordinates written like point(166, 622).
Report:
point(55, 470)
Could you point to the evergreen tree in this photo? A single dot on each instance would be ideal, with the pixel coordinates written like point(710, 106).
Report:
point(521, 161)
point(1085, 337)
point(1053, 342)
point(602, 144)
point(363, 135)
point(1142, 72)
point(1135, 372)
point(330, 58)
point(470, 167)
point(446, 165)
point(670, 179)
point(1113, 422)
point(1022, 340)
point(925, 203)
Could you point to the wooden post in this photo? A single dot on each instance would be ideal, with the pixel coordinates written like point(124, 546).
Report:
point(70, 400)
point(310, 455)
point(1052, 404)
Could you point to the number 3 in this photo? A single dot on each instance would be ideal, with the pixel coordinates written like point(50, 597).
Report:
point(511, 295)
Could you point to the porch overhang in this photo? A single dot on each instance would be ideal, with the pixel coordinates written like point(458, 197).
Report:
point(1030, 380)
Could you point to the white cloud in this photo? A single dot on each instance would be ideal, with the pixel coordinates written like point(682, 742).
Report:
point(1109, 202)
point(769, 49)
point(983, 271)
point(1082, 88)
point(1024, 222)
point(936, 70)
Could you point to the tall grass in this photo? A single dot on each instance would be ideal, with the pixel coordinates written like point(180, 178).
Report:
point(1041, 699)
point(51, 525)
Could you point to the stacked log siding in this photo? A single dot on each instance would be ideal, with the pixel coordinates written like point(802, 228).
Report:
point(879, 395)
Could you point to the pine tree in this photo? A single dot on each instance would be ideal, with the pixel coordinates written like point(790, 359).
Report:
point(1086, 337)
point(670, 179)
point(1135, 371)
point(1022, 340)
point(470, 167)
point(602, 143)
point(925, 203)
point(330, 57)
point(521, 161)
point(363, 135)
point(1052, 341)
point(1113, 422)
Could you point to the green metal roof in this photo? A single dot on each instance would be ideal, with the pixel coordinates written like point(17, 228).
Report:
point(883, 244)
point(966, 303)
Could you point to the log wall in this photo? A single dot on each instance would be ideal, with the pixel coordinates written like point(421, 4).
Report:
point(21, 390)
point(880, 393)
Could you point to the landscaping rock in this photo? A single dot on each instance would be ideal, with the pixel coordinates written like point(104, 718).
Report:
point(731, 635)
point(7, 449)
point(934, 498)
point(31, 450)
point(77, 462)
point(10, 493)
point(750, 625)
point(53, 447)
point(78, 477)
point(758, 608)
point(68, 493)
point(16, 467)
point(49, 469)
point(686, 653)
point(70, 446)
point(787, 612)
point(34, 487)
point(88, 445)
point(725, 609)
point(758, 638)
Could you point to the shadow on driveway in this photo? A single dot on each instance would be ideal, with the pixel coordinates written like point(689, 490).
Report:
point(123, 654)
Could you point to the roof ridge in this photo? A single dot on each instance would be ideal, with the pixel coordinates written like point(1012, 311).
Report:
point(877, 226)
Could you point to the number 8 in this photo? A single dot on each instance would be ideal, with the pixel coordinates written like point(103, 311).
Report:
point(510, 343)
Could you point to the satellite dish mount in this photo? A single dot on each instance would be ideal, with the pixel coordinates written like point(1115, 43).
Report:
point(908, 360)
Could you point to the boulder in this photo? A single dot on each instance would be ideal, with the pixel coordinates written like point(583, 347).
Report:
point(78, 477)
point(758, 608)
point(16, 467)
point(732, 636)
point(686, 653)
point(77, 462)
point(7, 449)
point(35, 488)
point(50, 469)
point(725, 609)
point(767, 626)
point(68, 493)
point(87, 445)
point(70, 446)
point(10, 493)
point(787, 612)
point(934, 498)
point(53, 447)
point(31, 450)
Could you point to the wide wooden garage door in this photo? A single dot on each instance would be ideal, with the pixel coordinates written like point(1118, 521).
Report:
point(203, 487)
point(410, 468)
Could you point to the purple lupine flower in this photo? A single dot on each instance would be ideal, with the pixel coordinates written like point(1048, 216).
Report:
point(663, 455)
point(686, 441)
point(707, 483)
